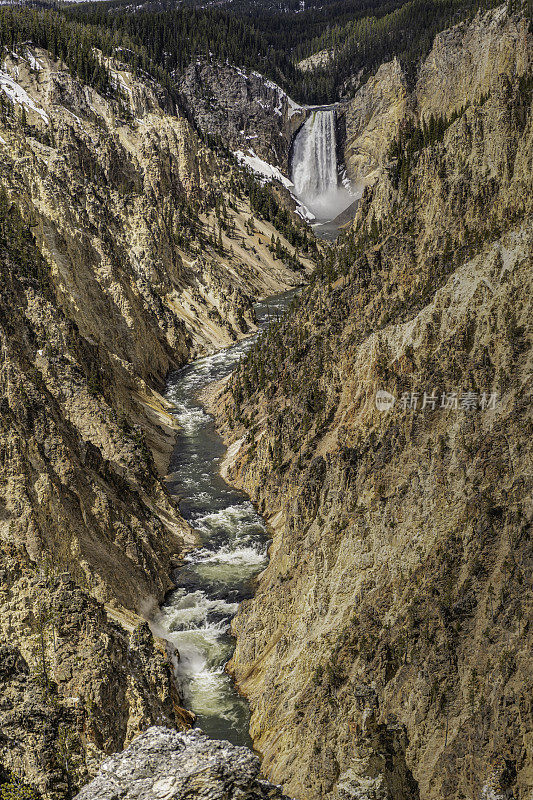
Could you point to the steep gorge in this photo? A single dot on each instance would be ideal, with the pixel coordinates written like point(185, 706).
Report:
point(390, 634)
point(125, 250)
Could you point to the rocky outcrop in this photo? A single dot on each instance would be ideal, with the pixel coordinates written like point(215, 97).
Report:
point(372, 120)
point(75, 686)
point(320, 59)
point(247, 111)
point(384, 430)
point(162, 763)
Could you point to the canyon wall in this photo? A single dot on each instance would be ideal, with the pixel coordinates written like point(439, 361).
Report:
point(124, 252)
point(387, 651)
point(246, 110)
point(464, 65)
point(372, 120)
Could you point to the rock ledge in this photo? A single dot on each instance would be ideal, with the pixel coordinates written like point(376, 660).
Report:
point(164, 765)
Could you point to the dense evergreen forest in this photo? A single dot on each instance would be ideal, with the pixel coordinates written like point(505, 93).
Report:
point(161, 39)
point(359, 34)
point(45, 27)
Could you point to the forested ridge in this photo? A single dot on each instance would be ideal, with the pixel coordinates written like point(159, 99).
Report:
point(162, 40)
point(47, 28)
point(358, 35)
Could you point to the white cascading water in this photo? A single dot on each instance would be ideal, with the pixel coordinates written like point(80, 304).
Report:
point(216, 576)
point(314, 167)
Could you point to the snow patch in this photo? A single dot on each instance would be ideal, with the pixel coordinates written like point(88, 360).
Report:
point(294, 108)
point(72, 114)
point(304, 212)
point(18, 95)
point(34, 64)
point(266, 173)
point(263, 168)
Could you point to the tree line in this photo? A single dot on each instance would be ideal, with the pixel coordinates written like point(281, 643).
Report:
point(358, 35)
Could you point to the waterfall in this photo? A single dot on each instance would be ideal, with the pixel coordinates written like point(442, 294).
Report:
point(315, 156)
point(314, 167)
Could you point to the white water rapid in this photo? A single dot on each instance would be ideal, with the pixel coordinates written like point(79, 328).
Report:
point(315, 173)
point(218, 574)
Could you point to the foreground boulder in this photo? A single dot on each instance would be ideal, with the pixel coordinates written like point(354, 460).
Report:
point(168, 765)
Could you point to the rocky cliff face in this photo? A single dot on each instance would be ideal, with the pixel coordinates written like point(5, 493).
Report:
point(372, 120)
point(79, 493)
point(465, 64)
point(75, 686)
point(245, 109)
point(162, 763)
point(389, 636)
point(467, 61)
point(124, 251)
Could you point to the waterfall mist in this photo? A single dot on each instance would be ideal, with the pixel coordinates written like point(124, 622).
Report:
point(314, 167)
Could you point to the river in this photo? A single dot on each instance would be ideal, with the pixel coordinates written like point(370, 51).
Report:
point(234, 540)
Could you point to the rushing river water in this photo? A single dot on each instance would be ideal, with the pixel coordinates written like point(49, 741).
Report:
point(218, 575)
